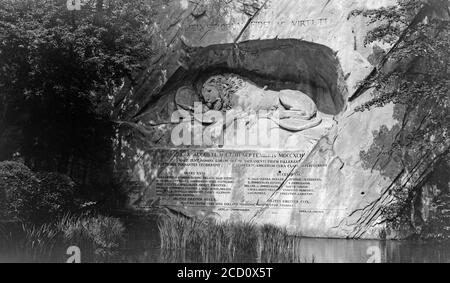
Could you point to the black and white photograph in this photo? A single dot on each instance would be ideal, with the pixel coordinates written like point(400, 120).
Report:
point(254, 133)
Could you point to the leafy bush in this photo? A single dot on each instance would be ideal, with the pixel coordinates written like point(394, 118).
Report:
point(19, 189)
point(35, 198)
point(56, 196)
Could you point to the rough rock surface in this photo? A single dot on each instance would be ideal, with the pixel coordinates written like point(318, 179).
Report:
point(299, 45)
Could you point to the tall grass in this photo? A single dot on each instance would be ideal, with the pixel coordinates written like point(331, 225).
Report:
point(97, 237)
point(277, 245)
point(184, 238)
point(29, 243)
point(102, 235)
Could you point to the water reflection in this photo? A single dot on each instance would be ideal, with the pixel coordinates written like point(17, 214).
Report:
point(313, 250)
point(144, 246)
point(353, 251)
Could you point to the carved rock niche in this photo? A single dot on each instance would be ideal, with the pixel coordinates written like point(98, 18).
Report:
point(289, 89)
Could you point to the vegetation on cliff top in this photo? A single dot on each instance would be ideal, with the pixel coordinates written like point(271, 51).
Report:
point(415, 76)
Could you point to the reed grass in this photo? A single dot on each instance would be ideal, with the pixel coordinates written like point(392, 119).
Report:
point(29, 243)
point(97, 237)
point(277, 245)
point(214, 241)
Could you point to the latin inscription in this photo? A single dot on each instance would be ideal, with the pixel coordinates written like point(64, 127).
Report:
point(300, 23)
point(225, 179)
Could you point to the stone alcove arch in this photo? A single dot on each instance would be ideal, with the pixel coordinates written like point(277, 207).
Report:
point(276, 64)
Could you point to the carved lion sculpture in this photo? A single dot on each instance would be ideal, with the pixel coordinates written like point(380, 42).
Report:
point(292, 110)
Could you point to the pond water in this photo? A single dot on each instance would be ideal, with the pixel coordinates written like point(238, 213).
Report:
point(319, 251)
point(142, 245)
point(145, 247)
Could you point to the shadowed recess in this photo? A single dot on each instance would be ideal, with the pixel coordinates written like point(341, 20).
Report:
point(278, 64)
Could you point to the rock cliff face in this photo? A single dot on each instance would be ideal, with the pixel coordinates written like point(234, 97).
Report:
point(204, 23)
point(309, 46)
